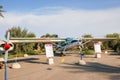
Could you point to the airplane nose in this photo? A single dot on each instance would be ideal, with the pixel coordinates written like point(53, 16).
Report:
point(6, 46)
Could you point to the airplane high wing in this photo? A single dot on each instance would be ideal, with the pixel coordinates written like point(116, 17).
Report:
point(45, 40)
point(30, 40)
point(65, 43)
point(98, 39)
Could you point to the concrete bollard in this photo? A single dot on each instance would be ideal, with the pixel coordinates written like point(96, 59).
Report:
point(98, 55)
point(50, 61)
point(1, 59)
point(25, 55)
point(16, 65)
point(82, 62)
point(106, 52)
point(1, 63)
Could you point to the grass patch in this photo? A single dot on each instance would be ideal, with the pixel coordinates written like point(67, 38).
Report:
point(89, 52)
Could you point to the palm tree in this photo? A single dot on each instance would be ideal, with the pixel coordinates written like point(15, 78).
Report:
point(1, 11)
point(23, 47)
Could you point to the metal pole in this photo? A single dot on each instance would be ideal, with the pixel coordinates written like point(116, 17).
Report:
point(80, 55)
point(6, 57)
point(80, 52)
point(80, 47)
point(6, 67)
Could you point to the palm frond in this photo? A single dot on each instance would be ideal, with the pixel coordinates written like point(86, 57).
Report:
point(1, 15)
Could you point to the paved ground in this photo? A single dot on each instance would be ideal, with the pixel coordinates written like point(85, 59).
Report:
point(36, 68)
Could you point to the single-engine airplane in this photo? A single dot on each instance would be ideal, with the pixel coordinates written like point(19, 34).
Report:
point(62, 43)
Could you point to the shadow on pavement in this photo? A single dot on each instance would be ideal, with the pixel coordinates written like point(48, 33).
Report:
point(93, 67)
point(28, 60)
point(116, 77)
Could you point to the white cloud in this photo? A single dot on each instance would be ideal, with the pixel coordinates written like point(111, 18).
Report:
point(65, 22)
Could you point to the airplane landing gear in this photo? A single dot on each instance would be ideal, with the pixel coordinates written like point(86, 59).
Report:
point(62, 54)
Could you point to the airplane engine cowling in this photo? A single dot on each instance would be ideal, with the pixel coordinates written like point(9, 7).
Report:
point(6, 46)
point(1, 45)
point(11, 46)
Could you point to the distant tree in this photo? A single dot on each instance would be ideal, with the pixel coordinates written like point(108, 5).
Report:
point(49, 36)
point(114, 43)
point(90, 44)
point(114, 35)
point(23, 47)
point(109, 36)
point(31, 34)
point(19, 32)
point(87, 36)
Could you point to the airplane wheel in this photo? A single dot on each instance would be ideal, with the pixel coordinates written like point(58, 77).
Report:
point(62, 54)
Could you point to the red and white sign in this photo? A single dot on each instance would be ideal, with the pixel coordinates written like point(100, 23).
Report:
point(97, 48)
point(49, 50)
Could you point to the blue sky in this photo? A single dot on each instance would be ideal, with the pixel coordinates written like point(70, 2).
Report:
point(67, 18)
point(75, 4)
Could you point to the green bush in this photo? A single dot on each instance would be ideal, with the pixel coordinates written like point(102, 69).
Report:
point(21, 54)
point(89, 52)
point(35, 52)
point(15, 55)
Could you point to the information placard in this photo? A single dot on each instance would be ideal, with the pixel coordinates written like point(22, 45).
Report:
point(97, 48)
point(49, 50)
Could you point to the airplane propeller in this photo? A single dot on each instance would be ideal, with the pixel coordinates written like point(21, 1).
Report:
point(5, 47)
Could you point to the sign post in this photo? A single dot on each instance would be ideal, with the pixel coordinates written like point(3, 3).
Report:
point(97, 49)
point(49, 53)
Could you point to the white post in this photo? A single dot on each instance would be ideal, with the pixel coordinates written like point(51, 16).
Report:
point(49, 53)
point(97, 48)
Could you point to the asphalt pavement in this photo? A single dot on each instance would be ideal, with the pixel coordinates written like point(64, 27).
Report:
point(37, 68)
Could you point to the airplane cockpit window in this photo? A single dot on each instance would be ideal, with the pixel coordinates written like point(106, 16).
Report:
point(74, 41)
